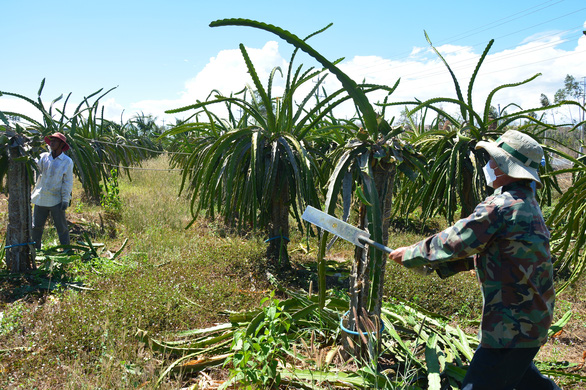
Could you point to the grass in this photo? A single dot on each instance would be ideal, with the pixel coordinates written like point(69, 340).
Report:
point(169, 278)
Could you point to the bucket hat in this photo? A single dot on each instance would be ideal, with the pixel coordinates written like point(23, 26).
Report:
point(516, 154)
point(60, 137)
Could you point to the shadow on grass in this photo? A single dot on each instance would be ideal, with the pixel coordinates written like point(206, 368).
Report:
point(53, 271)
point(34, 284)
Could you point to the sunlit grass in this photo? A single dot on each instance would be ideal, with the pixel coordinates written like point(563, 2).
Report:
point(167, 279)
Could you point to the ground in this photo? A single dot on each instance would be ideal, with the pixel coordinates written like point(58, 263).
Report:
point(84, 338)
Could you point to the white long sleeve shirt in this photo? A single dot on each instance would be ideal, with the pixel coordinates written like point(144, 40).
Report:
point(55, 182)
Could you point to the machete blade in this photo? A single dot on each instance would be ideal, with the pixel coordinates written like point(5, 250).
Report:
point(335, 226)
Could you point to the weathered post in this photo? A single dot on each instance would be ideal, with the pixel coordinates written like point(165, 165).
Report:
point(20, 251)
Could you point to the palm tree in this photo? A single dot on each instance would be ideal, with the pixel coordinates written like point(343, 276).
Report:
point(95, 149)
point(17, 150)
point(454, 180)
point(367, 163)
point(260, 168)
point(568, 221)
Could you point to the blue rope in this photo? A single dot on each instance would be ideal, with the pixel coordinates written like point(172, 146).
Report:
point(25, 244)
point(274, 238)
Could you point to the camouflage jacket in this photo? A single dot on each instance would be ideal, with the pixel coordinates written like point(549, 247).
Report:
point(508, 238)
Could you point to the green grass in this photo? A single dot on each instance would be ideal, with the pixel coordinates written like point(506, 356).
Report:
point(458, 295)
point(168, 278)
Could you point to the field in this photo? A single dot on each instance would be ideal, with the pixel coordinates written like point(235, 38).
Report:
point(76, 329)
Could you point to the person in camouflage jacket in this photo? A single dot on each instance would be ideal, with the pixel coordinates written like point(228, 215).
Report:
point(506, 240)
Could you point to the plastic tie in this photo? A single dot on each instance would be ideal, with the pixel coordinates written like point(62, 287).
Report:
point(274, 238)
point(353, 332)
point(25, 244)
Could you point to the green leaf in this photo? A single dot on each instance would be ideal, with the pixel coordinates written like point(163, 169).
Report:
point(456, 84)
point(559, 325)
point(432, 353)
point(119, 251)
point(349, 85)
point(476, 69)
point(362, 197)
point(259, 88)
point(494, 91)
point(3, 117)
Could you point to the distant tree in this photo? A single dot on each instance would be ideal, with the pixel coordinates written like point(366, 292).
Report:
point(144, 126)
point(572, 90)
point(409, 121)
point(493, 112)
point(546, 103)
point(259, 169)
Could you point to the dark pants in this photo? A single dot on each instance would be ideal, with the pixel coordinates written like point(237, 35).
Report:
point(505, 369)
point(40, 215)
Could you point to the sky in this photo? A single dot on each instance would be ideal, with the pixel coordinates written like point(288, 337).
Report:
point(161, 55)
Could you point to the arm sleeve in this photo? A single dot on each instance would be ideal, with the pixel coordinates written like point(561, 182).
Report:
point(39, 170)
point(67, 186)
point(451, 268)
point(460, 241)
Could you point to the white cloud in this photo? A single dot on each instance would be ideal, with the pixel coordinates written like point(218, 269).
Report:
point(447, 50)
point(16, 105)
point(226, 73)
point(426, 77)
point(112, 109)
point(416, 50)
point(423, 76)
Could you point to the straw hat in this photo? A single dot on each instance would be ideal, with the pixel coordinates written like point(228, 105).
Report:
point(516, 154)
point(59, 136)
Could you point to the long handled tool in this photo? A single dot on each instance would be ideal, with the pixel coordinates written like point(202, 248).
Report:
point(341, 229)
point(350, 233)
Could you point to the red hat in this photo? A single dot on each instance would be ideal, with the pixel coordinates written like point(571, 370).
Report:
point(59, 136)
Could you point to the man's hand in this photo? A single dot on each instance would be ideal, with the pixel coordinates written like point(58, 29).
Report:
point(397, 255)
point(64, 205)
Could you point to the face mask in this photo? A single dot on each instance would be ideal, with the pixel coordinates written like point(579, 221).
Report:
point(489, 175)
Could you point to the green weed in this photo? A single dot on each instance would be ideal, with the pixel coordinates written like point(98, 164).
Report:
point(11, 317)
point(111, 201)
point(257, 354)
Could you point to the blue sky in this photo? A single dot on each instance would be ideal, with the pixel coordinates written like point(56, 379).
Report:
point(163, 54)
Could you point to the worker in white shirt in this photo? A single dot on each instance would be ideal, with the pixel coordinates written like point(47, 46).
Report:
point(52, 192)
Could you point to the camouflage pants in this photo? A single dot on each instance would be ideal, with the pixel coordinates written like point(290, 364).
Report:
point(505, 369)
